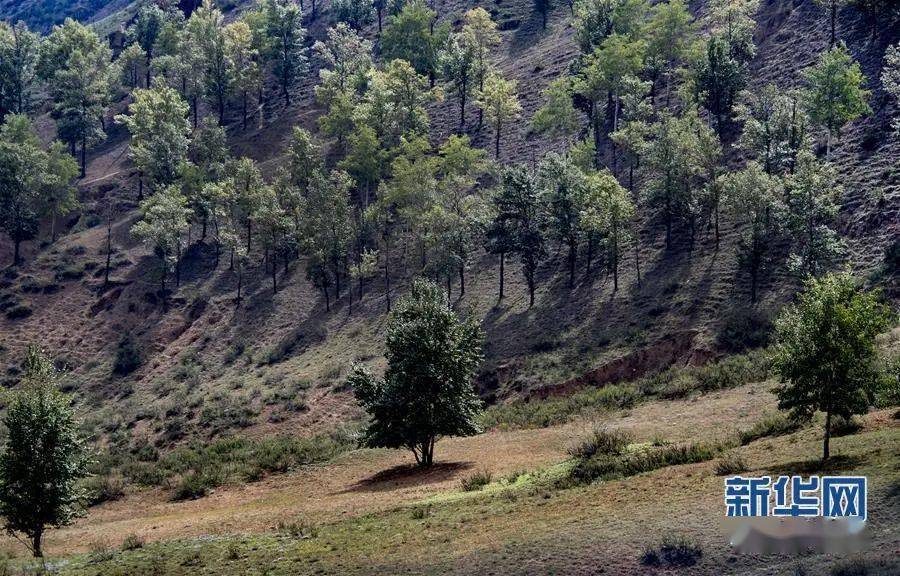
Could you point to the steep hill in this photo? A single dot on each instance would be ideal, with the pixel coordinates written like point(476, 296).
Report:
point(277, 362)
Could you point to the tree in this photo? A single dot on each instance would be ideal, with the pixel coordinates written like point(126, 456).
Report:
point(500, 103)
point(33, 182)
point(75, 64)
point(672, 163)
point(480, 32)
point(835, 93)
point(406, 94)
point(366, 162)
point(812, 194)
point(752, 197)
point(427, 391)
point(207, 35)
point(164, 221)
point(132, 64)
point(305, 158)
point(733, 20)
point(608, 210)
point(775, 128)
point(563, 189)
point(890, 76)
point(328, 229)
point(145, 33)
point(412, 36)
point(557, 117)
point(356, 13)
point(597, 19)
point(825, 354)
point(160, 132)
point(458, 65)
point(519, 205)
point(832, 6)
point(670, 33)
point(720, 77)
point(273, 225)
point(242, 63)
point(346, 59)
point(284, 28)
point(18, 67)
point(44, 457)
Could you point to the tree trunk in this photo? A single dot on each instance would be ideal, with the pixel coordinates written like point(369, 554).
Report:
point(826, 453)
point(178, 266)
point(572, 258)
point(449, 303)
point(379, 20)
point(240, 281)
point(497, 141)
point(833, 32)
point(16, 244)
point(387, 273)
point(244, 111)
point(462, 280)
point(83, 156)
point(462, 107)
point(36, 544)
point(108, 252)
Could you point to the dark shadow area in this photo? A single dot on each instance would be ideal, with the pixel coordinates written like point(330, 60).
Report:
point(838, 463)
point(408, 475)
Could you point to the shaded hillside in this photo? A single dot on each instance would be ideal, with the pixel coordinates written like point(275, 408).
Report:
point(278, 363)
point(43, 14)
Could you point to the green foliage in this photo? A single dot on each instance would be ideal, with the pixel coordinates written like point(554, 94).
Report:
point(730, 464)
point(835, 93)
point(595, 20)
point(498, 100)
point(44, 458)
point(356, 13)
point(128, 356)
point(427, 391)
point(557, 117)
point(825, 352)
point(890, 77)
point(608, 211)
point(18, 67)
point(164, 220)
point(775, 127)
point(412, 36)
point(776, 424)
point(720, 76)
point(476, 481)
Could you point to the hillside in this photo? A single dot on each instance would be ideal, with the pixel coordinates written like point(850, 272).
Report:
point(229, 445)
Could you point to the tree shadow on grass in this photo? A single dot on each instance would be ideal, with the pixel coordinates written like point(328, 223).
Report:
point(840, 463)
point(407, 476)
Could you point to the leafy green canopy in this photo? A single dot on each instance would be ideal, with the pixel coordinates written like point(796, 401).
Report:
point(427, 390)
point(825, 354)
point(44, 457)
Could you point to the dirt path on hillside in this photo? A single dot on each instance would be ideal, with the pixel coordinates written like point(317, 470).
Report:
point(367, 481)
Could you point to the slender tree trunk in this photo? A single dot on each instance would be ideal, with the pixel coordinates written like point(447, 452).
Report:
point(53, 228)
point(387, 273)
point(108, 250)
point(462, 280)
point(240, 281)
point(572, 258)
point(178, 265)
point(826, 452)
point(244, 111)
point(83, 156)
point(16, 244)
point(833, 32)
point(462, 107)
point(449, 276)
point(36, 549)
point(379, 20)
point(497, 141)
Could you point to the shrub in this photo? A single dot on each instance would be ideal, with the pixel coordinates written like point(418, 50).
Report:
point(731, 463)
point(841, 426)
point(193, 486)
point(302, 529)
point(132, 542)
point(421, 512)
point(618, 462)
point(18, 311)
point(128, 357)
point(105, 488)
point(601, 441)
point(476, 481)
point(672, 552)
point(743, 329)
point(100, 551)
point(776, 424)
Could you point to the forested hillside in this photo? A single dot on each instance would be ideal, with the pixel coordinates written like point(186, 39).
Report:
point(213, 217)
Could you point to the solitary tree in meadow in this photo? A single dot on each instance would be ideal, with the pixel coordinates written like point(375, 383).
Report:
point(428, 388)
point(825, 352)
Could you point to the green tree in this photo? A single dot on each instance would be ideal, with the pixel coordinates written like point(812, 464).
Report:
point(564, 189)
point(44, 457)
point(835, 93)
point(412, 36)
point(145, 33)
point(480, 32)
point(132, 63)
point(328, 233)
point(284, 29)
point(366, 162)
point(18, 67)
point(407, 94)
point(58, 196)
point(206, 31)
point(775, 128)
point(520, 205)
point(242, 63)
point(346, 59)
point(305, 158)
point(597, 19)
point(164, 221)
point(734, 21)
point(670, 32)
point(160, 134)
point(608, 211)
point(720, 76)
point(752, 198)
point(500, 103)
point(890, 77)
point(428, 390)
point(825, 354)
point(458, 65)
point(356, 13)
point(75, 64)
point(812, 195)
point(557, 117)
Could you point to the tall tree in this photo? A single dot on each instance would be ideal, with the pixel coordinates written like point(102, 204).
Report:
point(608, 211)
point(145, 33)
point(163, 224)
point(752, 198)
point(356, 13)
point(480, 32)
point(775, 128)
point(284, 28)
point(825, 354)
point(19, 48)
point(328, 236)
point(22, 166)
point(242, 62)
point(597, 19)
point(835, 93)
point(207, 35)
point(75, 64)
point(812, 195)
point(58, 196)
point(427, 391)
point(564, 191)
point(557, 117)
point(346, 59)
point(413, 36)
point(44, 458)
point(519, 202)
point(720, 77)
point(458, 64)
point(832, 6)
point(670, 34)
point(500, 103)
point(160, 130)
point(890, 78)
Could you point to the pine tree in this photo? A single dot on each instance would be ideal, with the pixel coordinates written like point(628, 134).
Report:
point(284, 29)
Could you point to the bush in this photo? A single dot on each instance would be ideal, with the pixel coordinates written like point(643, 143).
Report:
point(128, 357)
point(841, 426)
point(731, 463)
point(601, 441)
point(105, 488)
point(132, 542)
point(610, 464)
point(776, 424)
point(302, 529)
point(18, 311)
point(672, 552)
point(476, 481)
point(193, 486)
